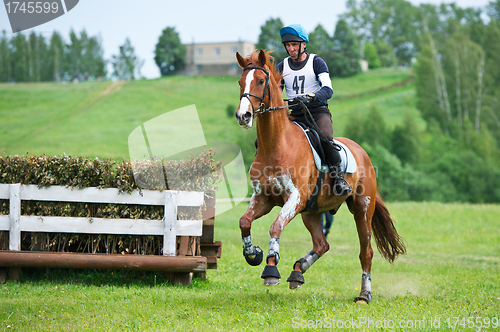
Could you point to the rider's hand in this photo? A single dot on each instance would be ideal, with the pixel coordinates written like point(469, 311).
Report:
point(303, 99)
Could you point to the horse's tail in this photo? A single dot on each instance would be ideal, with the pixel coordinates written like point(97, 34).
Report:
point(389, 243)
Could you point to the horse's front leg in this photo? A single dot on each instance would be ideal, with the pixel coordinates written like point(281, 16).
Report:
point(290, 209)
point(320, 247)
point(259, 206)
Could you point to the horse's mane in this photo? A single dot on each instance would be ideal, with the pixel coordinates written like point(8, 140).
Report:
point(270, 64)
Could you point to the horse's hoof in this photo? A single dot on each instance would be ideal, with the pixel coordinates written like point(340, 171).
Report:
point(271, 275)
point(296, 280)
point(295, 284)
point(364, 298)
point(255, 260)
point(271, 281)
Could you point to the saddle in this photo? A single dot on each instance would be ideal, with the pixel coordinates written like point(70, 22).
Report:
point(316, 147)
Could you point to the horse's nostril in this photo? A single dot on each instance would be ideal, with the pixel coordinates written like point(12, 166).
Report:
point(248, 115)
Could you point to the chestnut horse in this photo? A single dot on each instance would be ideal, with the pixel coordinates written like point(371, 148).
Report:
point(284, 174)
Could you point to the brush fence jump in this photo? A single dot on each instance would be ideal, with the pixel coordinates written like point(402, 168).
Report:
point(169, 227)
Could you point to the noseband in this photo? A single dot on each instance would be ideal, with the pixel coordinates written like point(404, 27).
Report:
point(266, 91)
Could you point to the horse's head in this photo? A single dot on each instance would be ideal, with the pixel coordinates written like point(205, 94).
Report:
point(254, 87)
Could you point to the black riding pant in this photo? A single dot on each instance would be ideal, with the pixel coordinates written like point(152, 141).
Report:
point(321, 115)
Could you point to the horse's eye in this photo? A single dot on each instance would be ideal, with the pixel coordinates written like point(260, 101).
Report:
point(261, 81)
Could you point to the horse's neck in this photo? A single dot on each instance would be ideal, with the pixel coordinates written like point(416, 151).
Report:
point(272, 131)
point(273, 127)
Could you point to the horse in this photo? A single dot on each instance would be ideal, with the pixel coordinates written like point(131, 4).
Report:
point(283, 173)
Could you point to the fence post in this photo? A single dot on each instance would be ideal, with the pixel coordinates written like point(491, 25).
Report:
point(15, 225)
point(170, 227)
point(15, 217)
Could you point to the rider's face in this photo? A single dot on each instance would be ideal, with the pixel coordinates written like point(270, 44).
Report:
point(293, 48)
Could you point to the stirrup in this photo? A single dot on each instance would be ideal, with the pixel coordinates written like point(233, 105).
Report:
point(343, 185)
point(340, 186)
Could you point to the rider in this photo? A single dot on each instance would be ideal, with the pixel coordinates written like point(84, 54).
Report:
point(306, 78)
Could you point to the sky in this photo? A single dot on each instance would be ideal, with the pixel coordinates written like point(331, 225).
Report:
point(199, 21)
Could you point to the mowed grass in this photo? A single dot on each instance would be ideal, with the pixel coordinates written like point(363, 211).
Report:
point(451, 270)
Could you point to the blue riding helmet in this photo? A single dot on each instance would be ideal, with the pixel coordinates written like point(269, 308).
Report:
point(294, 32)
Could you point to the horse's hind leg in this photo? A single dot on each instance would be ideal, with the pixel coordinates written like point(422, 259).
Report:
point(363, 206)
point(320, 247)
point(258, 207)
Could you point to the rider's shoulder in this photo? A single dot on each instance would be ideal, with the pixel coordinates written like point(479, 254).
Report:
point(279, 66)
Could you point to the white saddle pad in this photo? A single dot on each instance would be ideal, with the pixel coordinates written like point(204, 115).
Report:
point(348, 163)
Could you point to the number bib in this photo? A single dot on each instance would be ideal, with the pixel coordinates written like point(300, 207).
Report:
point(302, 81)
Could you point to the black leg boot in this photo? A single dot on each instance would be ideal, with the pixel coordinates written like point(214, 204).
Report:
point(332, 156)
point(340, 186)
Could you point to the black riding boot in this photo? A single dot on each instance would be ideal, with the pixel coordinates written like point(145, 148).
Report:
point(340, 186)
point(332, 155)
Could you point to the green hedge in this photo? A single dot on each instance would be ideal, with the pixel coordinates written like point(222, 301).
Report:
point(194, 174)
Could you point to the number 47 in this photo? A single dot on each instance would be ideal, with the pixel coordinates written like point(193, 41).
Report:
point(296, 86)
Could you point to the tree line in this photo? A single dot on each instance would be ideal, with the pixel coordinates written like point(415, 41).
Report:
point(34, 58)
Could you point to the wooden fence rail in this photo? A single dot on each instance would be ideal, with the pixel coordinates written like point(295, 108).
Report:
point(169, 227)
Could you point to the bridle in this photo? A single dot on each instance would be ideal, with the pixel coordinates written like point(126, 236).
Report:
point(267, 90)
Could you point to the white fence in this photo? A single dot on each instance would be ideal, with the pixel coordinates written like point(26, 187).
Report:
point(169, 226)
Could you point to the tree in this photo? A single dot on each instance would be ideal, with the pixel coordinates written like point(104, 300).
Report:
point(491, 48)
point(493, 10)
point(346, 46)
point(386, 22)
point(375, 131)
point(73, 54)
point(464, 63)
point(84, 56)
point(385, 52)
point(405, 141)
point(5, 59)
point(94, 63)
point(269, 39)
point(432, 92)
point(170, 53)
point(371, 55)
point(451, 83)
point(354, 129)
point(38, 57)
point(19, 52)
point(321, 43)
point(392, 177)
point(126, 64)
point(56, 55)
point(369, 129)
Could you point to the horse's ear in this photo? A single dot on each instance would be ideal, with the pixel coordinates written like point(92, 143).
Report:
point(262, 57)
point(241, 60)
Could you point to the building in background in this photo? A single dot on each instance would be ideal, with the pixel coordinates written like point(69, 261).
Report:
point(215, 58)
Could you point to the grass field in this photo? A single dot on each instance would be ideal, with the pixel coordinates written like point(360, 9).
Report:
point(449, 275)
